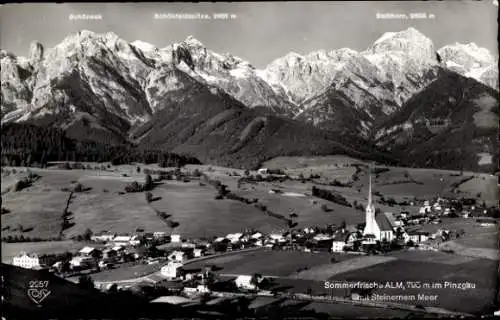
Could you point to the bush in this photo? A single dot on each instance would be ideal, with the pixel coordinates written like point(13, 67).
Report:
point(325, 208)
point(330, 196)
point(260, 206)
point(134, 187)
point(148, 182)
point(78, 188)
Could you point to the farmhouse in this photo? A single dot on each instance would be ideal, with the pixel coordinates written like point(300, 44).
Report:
point(90, 252)
point(256, 235)
point(246, 282)
point(277, 237)
point(178, 256)
point(126, 240)
point(339, 242)
point(29, 261)
point(197, 252)
point(172, 270)
point(418, 236)
point(234, 237)
point(103, 237)
point(82, 262)
point(159, 235)
point(175, 238)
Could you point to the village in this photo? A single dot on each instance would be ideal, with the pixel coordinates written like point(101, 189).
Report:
point(166, 257)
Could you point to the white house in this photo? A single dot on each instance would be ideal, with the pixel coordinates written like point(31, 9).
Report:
point(122, 240)
point(234, 237)
point(134, 241)
point(339, 243)
point(245, 282)
point(104, 237)
point(172, 270)
point(197, 253)
point(322, 237)
point(309, 230)
point(175, 238)
point(177, 256)
point(83, 262)
point(219, 239)
point(256, 235)
point(159, 234)
point(89, 252)
point(262, 171)
point(418, 236)
point(28, 261)
point(277, 237)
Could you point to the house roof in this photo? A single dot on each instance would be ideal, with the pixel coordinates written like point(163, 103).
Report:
point(340, 237)
point(383, 222)
point(24, 254)
point(171, 300)
point(122, 238)
point(87, 250)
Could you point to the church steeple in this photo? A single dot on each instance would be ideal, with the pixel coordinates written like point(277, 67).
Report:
point(370, 225)
point(370, 187)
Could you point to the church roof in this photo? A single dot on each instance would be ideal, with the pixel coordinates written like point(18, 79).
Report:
point(383, 222)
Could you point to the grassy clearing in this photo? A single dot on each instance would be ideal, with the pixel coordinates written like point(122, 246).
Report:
point(126, 272)
point(112, 212)
point(200, 215)
point(309, 214)
point(434, 257)
point(325, 271)
point(305, 162)
point(348, 311)
point(39, 213)
point(270, 263)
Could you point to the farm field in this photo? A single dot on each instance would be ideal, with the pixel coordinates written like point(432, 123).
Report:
point(476, 236)
point(113, 213)
point(268, 262)
point(342, 310)
point(480, 272)
point(325, 271)
point(333, 167)
point(38, 213)
point(431, 267)
point(126, 272)
point(9, 250)
point(202, 216)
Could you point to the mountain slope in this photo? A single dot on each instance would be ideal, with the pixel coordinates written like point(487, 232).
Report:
point(452, 124)
point(216, 128)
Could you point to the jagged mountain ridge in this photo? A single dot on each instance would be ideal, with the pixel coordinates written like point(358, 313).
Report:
point(375, 82)
point(102, 87)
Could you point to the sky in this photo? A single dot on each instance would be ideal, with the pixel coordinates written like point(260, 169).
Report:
point(257, 32)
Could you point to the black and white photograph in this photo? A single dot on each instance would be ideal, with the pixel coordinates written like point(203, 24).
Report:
point(250, 160)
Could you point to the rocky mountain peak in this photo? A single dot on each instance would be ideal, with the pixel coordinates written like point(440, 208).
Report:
point(36, 53)
point(192, 43)
point(410, 42)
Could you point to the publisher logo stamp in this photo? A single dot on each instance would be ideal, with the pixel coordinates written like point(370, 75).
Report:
point(37, 291)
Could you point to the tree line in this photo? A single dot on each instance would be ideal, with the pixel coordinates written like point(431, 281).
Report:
point(27, 145)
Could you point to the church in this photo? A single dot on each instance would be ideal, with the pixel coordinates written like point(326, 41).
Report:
point(378, 225)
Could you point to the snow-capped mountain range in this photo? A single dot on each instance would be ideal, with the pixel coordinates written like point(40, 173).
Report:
point(103, 76)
